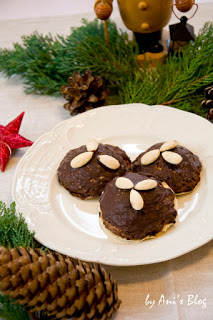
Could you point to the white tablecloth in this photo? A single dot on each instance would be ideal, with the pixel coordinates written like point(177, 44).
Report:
point(186, 282)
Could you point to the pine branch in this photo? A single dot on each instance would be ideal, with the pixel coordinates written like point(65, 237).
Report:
point(46, 63)
point(13, 228)
point(192, 104)
point(180, 81)
point(11, 311)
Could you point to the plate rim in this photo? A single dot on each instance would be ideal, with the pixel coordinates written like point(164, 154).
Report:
point(82, 116)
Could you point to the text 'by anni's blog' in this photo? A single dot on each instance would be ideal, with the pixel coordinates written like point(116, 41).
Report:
point(188, 300)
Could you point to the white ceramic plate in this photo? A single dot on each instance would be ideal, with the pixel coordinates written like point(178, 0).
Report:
point(71, 226)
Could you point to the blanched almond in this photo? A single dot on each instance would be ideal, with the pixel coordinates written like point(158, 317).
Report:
point(92, 145)
point(172, 157)
point(136, 200)
point(165, 185)
point(169, 145)
point(80, 160)
point(124, 183)
point(150, 157)
point(147, 184)
point(109, 162)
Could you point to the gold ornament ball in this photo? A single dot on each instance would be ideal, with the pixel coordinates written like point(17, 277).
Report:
point(184, 5)
point(103, 11)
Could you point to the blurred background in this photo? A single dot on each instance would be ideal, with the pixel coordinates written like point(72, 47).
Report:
point(20, 9)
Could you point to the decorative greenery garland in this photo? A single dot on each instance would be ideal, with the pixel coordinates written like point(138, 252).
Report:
point(13, 228)
point(46, 63)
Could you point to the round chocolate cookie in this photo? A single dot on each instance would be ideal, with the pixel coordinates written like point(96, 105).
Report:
point(137, 207)
point(86, 170)
point(169, 162)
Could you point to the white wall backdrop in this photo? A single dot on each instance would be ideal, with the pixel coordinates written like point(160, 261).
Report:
point(20, 9)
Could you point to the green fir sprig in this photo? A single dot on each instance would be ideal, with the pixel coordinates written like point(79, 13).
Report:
point(13, 228)
point(180, 81)
point(45, 63)
point(9, 310)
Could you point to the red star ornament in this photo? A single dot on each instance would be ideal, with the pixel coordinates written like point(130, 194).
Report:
point(10, 139)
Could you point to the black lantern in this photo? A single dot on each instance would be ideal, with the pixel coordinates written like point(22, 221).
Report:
point(180, 35)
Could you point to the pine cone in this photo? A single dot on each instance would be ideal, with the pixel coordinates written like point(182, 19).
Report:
point(54, 283)
point(208, 103)
point(84, 93)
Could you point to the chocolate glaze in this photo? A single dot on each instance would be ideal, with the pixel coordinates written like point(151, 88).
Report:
point(181, 178)
point(89, 181)
point(120, 218)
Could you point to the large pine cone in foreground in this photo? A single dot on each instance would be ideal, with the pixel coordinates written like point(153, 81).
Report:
point(84, 93)
point(54, 283)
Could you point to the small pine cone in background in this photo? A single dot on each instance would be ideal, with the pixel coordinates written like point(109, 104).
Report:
point(209, 115)
point(53, 283)
point(208, 102)
point(84, 92)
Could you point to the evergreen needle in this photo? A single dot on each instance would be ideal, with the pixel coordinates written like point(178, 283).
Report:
point(13, 228)
point(45, 63)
